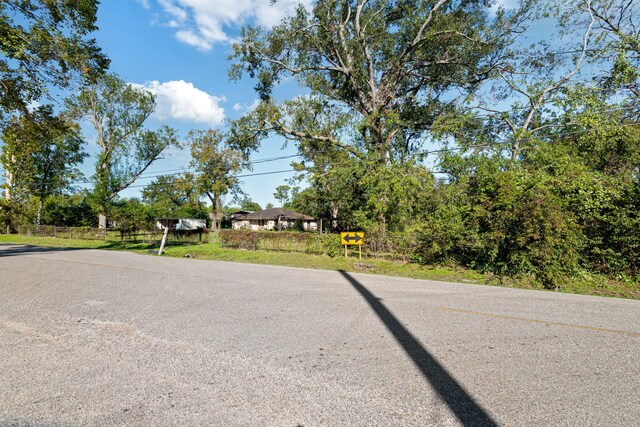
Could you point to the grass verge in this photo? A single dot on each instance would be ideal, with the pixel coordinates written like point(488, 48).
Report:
point(588, 285)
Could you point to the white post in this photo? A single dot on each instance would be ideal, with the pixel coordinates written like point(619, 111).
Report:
point(164, 239)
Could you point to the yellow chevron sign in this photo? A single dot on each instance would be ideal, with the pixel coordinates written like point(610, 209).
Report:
point(352, 238)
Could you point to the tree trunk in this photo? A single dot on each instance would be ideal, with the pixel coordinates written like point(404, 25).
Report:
point(102, 221)
point(7, 190)
point(515, 149)
point(216, 209)
point(334, 218)
point(102, 189)
point(39, 216)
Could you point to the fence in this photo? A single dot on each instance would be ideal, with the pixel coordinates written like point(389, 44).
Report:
point(394, 246)
point(112, 235)
point(83, 233)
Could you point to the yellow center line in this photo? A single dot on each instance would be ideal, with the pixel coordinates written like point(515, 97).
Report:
point(546, 322)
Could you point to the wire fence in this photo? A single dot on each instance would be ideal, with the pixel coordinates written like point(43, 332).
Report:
point(112, 235)
point(392, 246)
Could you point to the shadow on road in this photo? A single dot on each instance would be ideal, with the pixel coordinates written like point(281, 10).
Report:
point(463, 405)
point(16, 250)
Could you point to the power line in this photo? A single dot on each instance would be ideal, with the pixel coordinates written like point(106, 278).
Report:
point(188, 170)
point(235, 176)
point(425, 152)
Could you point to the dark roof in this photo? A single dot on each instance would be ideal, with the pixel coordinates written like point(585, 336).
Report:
point(239, 214)
point(275, 213)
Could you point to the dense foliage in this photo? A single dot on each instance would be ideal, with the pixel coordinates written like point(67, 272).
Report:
point(44, 44)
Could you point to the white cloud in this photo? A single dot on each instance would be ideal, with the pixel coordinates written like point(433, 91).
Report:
point(178, 14)
point(180, 100)
point(205, 22)
point(144, 3)
point(191, 38)
point(504, 4)
point(244, 107)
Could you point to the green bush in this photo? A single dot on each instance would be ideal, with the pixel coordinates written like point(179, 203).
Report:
point(324, 244)
point(69, 211)
point(508, 223)
point(239, 239)
point(282, 241)
point(131, 215)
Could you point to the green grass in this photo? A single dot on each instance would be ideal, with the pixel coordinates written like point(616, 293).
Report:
point(588, 284)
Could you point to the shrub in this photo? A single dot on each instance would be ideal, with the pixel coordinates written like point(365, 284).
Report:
point(239, 239)
point(284, 241)
point(508, 223)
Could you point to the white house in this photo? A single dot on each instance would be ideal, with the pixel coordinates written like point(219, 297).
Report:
point(270, 219)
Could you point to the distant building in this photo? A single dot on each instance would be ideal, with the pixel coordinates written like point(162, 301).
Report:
point(272, 219)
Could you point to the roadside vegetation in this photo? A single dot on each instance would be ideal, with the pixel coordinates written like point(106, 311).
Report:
point(430, 125)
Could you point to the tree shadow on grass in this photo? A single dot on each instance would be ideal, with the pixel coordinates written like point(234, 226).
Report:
point(123, 246)
point(460, 402)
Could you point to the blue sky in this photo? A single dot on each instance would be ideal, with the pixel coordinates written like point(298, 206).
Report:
point(179, 50)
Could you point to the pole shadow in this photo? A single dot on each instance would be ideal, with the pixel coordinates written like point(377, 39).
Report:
point(460, 402)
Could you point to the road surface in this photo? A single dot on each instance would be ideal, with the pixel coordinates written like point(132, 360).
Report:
point(98, 338)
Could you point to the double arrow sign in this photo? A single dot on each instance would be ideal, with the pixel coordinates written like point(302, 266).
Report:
point(352, 238)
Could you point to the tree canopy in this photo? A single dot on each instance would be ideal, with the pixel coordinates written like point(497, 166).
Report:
point(376, 71)
point(45, 44)
point(40, 154)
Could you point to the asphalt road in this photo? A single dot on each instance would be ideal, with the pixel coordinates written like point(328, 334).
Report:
point(98, 338)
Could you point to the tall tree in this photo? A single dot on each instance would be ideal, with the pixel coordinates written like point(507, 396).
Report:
point(174, 196)
point(39, 155)
point(516, 109)
point(282, 194)
point(617, 27)
point(45, 43)
point(216, 165)
point(117, 112)
point(594, 41)
point(247, 204)
point(377, 72)
point(377, 64)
